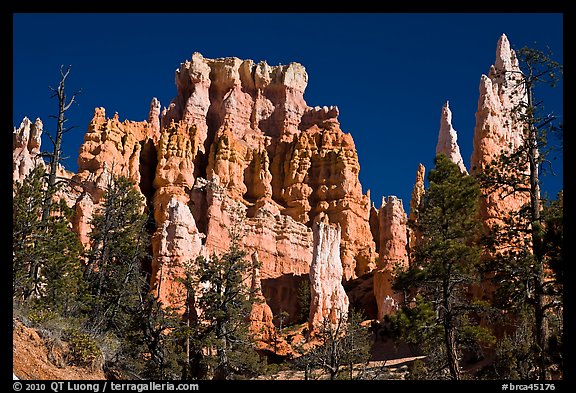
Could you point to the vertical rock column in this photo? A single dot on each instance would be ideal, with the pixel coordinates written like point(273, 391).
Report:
point(448, 139)
point(414, 235)
point(26, 141)
point(261, 316)
point(175, 244)
point(328, 298)
point(393, 254)
point(496, 131)
point(177, 240)
point(192, 102)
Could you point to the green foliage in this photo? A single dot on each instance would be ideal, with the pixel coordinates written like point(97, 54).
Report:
point(303, 299)
point(515, 356)
point(219, 333)
point(538, 64)
point(83, 350)
point(527, 243)
point(418, 370)
point(416, 324)
point(118, 245)
point(66, 289)
point(38, 316)
point(46, 253)
point(281, 320)
point(444, 316)
point(158, 336)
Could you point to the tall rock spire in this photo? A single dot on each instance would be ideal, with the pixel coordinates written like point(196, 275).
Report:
point(414, 235)
point(154, 119)
point(328, 297)
point(496, 132)
point(417, 192)
point(447, 139)
point(505, 57)
point(393, 254)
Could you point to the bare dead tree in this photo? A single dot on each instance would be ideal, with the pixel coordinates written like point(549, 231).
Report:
point(55, 157)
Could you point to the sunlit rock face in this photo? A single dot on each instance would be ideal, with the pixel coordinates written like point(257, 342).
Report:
point(328, 297)
point(111, 148)
point(495, 131)
point(26, 143)
point(237, 151)
point(254, 135)
point(448, 139)
point(415, 235)
point(393, 254)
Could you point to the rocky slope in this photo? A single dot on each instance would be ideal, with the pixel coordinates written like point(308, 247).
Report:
point(36, 358)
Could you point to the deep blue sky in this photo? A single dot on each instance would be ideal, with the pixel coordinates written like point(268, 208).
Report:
point(389, 74)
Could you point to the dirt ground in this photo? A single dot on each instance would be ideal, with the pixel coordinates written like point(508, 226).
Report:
point(31, 359)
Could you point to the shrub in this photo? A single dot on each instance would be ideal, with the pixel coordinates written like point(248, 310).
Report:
point(83, 350)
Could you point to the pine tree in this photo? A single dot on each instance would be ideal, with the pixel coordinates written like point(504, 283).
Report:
point(47, 265)
point(27, 228)
point(444, 267)
point(118, 245)
point(153, 342)
point(303, 300)
point(219, 333)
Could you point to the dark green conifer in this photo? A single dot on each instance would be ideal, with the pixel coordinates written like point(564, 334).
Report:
point(444, 318)
point(47, 264)
point(223, 299)
point(119, 243)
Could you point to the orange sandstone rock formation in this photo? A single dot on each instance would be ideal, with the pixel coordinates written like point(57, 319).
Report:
point(495, 132)
point(417, 192)
point(26, 142)
point(261, 317)
point(328, 298)
point(239, 138)
point(110, 148)
point(393, 254)
point(237, 150)
point(26, 155)
point(448, 139)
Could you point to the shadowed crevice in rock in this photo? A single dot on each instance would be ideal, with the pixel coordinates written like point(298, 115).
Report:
point(148, 164)
point(199, 205)
point(361, 295)
point(281, 294)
